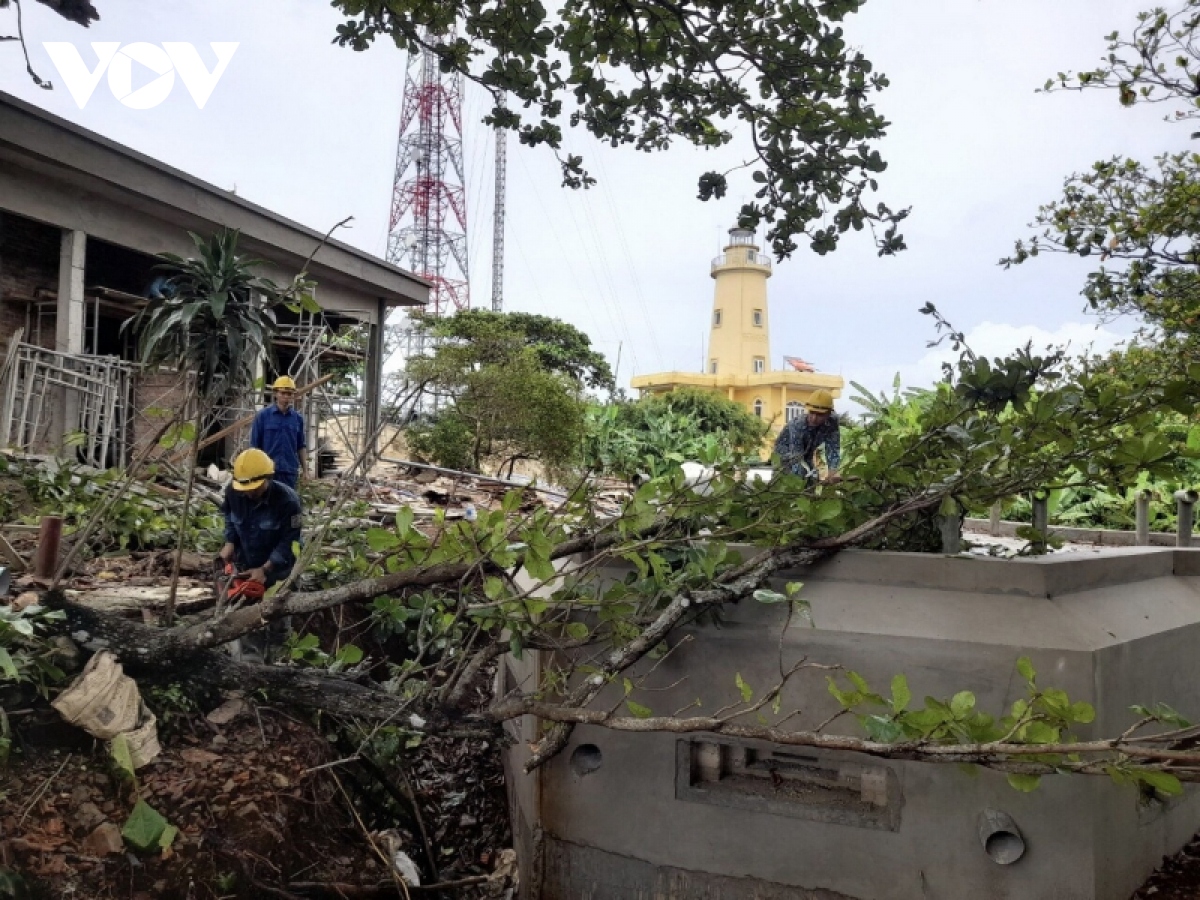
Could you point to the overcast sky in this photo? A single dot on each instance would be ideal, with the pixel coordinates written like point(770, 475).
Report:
point(309, 130)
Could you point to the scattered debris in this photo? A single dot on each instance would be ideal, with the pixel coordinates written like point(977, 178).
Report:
point(105, 702)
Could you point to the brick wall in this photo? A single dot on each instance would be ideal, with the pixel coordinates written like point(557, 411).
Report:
point(157, 395)
point(29, 254)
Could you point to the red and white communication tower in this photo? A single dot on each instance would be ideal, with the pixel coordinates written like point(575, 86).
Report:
point(428, 230)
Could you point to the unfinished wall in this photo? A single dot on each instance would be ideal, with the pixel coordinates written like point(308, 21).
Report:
point(640, 816)
point(156, 396)
point(29, 254)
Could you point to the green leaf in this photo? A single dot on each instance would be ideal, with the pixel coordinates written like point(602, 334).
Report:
point(792, 588)
point(1161, 781)
point(1024, 783)
point(1025, 669)
point(145, 827)
point(119, 748)
point(350, 655)
point(167, 838)
point(515, 647)
point(746, 691)
point(7, 666)
point(639, 711)
point(882, 729)
point(962, 703)
point(901, 695)
point(577, 630)
point(762, 595)
point(380, 539)
point(860, 683)
point(1083, 713)
point(404, 520)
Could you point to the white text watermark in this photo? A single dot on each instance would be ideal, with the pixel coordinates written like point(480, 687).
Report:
point(117, 60)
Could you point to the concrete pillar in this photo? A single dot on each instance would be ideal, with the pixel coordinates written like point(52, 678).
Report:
point(1041, 522)
point(994, 520)
point(68, 335)
point(951, 527)
point(69, 327)
point(1185, 513)
point(1142, 519)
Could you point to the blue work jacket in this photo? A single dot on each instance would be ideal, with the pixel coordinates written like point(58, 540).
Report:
point(263, 528)
point(280, 436)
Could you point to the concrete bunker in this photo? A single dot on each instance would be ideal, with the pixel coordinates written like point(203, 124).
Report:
point(702, 815)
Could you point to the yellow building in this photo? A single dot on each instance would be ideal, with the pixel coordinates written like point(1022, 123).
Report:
point(739, 346)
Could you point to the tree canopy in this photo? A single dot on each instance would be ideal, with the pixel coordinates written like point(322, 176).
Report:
point(1140, 221)
point(514, 384)
point(648, 73)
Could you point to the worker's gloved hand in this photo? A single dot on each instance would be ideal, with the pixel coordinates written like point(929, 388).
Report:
point(833, 478)
point(259, 575)
point(227, 553)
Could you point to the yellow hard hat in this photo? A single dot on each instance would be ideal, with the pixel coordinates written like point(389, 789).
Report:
point(251, 468)
point(284, 382)
point(820, 401)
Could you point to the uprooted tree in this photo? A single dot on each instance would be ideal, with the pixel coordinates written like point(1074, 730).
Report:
point(466, 592)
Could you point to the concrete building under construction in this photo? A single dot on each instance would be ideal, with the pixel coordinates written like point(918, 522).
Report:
point(82, 220)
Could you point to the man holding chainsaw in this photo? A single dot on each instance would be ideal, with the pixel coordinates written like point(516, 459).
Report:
point(262, 523)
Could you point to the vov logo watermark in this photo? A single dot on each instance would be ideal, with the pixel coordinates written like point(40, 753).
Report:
point(117, 60)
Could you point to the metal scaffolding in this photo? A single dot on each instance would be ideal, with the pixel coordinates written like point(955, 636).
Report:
point(97, 390)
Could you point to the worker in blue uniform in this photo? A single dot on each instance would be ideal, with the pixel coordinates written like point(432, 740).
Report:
point(278, 431)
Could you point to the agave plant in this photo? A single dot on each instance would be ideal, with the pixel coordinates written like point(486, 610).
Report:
point(213, 315)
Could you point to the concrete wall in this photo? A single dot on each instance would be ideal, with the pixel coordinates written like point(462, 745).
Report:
point(1113, 629)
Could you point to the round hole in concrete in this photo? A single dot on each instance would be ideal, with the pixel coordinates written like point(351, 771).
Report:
point(1004, 847)
point(586, 759)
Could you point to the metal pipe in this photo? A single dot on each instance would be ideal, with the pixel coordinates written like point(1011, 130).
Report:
point(45, 560)
point(1185, 513)
point(1000, 837)
point(1142, 519)
point(1041, 522)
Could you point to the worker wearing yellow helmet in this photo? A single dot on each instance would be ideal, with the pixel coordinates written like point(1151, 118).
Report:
point(800, 439)
point(262, 520)
point(278, 431)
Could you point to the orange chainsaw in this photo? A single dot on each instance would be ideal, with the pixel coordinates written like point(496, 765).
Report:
point(234, 585)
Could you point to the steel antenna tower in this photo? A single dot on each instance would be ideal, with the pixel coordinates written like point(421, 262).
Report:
point(427, 233)
point(498, 214)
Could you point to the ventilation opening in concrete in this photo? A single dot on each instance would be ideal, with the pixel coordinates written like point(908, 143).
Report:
point(811, 785)
point(586, 759)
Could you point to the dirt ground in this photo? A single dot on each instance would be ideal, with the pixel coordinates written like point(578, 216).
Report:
point(262, 805)
point(1177, 879)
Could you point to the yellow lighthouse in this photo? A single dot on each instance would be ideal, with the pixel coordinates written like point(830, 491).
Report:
point(739, 345)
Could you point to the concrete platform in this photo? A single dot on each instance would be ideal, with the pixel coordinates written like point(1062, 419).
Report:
point(622, 815)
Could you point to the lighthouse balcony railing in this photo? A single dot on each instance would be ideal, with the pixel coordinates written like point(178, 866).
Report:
point(742, 257)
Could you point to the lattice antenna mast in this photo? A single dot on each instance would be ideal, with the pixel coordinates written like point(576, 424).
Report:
point(427, 233)
point(498, 213)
